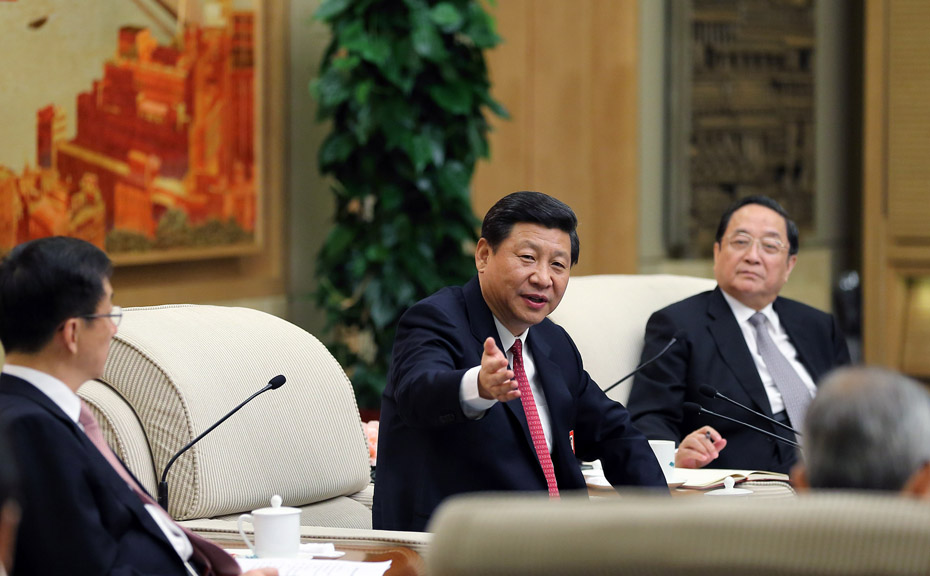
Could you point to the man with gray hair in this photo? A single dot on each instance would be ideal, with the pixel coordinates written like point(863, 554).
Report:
point(867, 429)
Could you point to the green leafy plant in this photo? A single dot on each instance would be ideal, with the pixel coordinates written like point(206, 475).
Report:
point(405, 85)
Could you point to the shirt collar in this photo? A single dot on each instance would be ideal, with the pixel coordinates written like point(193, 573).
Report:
point(55, 389)
point(743, 313)
point(507, 339)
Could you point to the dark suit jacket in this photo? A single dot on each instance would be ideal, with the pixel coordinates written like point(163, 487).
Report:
point(79, 517)
point(428, 450)
point(712, 351)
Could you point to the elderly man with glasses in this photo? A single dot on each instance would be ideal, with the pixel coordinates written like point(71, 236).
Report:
point(744, 341)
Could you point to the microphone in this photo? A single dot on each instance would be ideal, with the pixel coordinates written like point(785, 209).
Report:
point(273, 384)
point(711, 392)
point(698, 409)
point(671, 343)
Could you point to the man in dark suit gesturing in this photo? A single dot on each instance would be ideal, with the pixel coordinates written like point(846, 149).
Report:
point(486, 394)
point(82, 512)
point(744, 340)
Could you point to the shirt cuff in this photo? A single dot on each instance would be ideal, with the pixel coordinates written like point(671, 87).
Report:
point(473, 405)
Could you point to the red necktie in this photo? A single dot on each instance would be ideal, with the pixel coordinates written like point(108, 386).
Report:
point(212, 557)
point(532, 419)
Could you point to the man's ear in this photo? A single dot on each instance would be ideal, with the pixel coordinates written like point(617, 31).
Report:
point(918, 485)
point(482, 252)
point(69, 334)
point(792, 260)
point(798, 478)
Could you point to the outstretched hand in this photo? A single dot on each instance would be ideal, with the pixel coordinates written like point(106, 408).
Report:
point(495, 379)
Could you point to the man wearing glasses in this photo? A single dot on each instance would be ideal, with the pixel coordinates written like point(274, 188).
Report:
point(82, 513)
point(742, 339)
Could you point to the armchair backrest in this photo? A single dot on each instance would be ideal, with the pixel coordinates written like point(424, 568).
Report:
point(181, 368)
point(817, 534)
point(606, 317)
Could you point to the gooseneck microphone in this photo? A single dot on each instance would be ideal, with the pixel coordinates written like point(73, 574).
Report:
point(671, 343)
point(273, 384)
point(698, 409)
point(711, 392)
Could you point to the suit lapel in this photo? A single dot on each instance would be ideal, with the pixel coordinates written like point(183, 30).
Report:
point(481, 321)
point(807, 343)
point(16, 386)
point(732, 348)
point(119, 489)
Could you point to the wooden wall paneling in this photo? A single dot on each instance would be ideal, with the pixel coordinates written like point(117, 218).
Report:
point(874, 187)
point(615, 118)
point(561, 157)
point(568, 74)
point(896, 297)
point(915, 359)
point(509, 67)
point(909, 119)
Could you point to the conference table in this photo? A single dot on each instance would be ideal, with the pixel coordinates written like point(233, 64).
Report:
point(407, 561)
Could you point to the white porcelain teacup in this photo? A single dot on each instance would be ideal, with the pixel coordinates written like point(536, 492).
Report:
point(277, 530)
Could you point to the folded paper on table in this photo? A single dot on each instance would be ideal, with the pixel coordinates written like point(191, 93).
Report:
point(707, 478)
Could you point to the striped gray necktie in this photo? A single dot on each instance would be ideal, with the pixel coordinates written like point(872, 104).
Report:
point(793, 390)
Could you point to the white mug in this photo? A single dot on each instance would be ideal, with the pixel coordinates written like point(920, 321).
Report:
point(277, 530)
point(665, 454)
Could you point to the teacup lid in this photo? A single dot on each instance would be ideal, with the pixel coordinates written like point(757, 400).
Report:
point(276, 509)
point(728, 489)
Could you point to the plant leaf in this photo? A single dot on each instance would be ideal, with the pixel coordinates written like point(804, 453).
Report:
point(330, 8)
point(426, 39)
point(330, 88)
point(456, 98)
point(447, 17)
point(335, 149)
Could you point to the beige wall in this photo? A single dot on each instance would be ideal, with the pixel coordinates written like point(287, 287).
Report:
point(310, 204)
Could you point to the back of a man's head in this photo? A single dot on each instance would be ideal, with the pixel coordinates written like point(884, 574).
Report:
point(530, 208)
point(867, 429)
point(43, 283)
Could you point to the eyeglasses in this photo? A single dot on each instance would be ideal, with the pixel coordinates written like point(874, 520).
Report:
point(743, 242)
point(115, 315)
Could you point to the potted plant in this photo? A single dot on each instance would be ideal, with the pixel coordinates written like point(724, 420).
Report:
point(405, 86)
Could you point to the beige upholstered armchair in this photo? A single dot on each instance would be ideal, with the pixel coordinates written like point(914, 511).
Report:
point(606, 317)
point(173, 371)
point(818, 534)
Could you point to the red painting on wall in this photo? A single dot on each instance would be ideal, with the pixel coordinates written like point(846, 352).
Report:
point(152, 155)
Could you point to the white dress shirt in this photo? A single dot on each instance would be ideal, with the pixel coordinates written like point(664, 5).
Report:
point(743, 313)
point(475, 406)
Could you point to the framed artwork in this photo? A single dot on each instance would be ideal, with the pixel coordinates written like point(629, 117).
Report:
point(132, 124)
